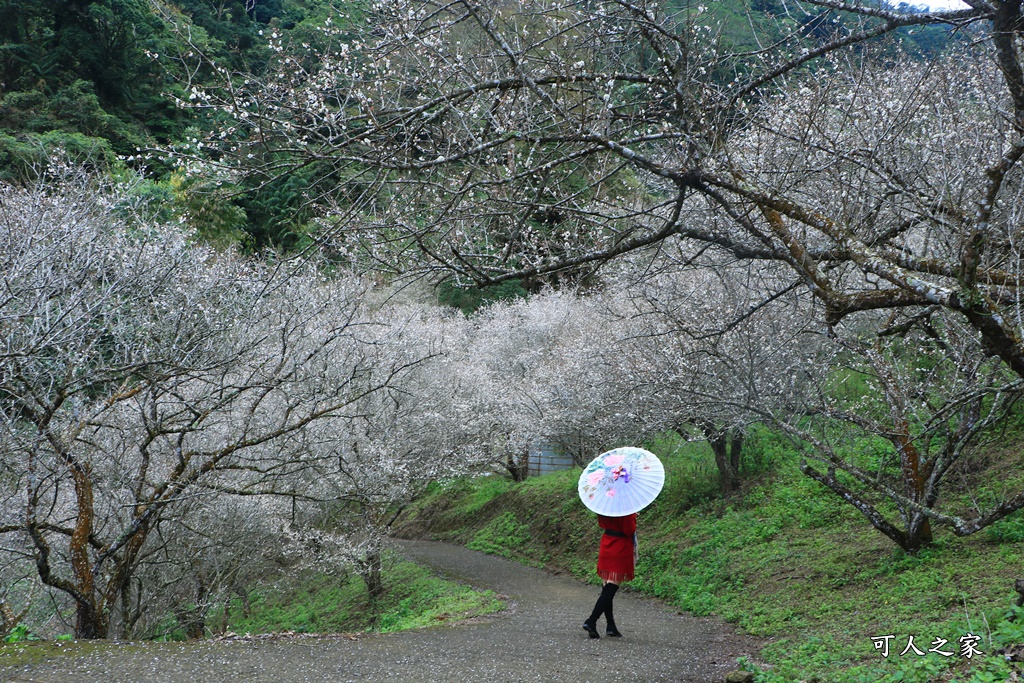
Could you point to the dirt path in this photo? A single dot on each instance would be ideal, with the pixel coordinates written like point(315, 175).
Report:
point(538, 638)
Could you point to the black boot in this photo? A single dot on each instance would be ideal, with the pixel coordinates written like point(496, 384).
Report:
point(603, 602)
point(611, 630)
point(590, 625)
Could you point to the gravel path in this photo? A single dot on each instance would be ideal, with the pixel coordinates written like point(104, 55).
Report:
point(538, 638)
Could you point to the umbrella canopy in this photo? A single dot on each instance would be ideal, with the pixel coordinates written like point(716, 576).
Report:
point(621, 481)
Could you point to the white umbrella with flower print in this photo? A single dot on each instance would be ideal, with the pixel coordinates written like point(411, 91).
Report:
point(621, 481)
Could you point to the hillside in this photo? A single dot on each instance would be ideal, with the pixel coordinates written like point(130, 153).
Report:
point(784, 560)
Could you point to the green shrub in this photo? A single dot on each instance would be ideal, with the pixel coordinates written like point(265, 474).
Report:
point(20, 634)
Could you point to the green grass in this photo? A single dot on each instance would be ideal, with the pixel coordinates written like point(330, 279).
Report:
point(787, 561)
point(301, 602)
point(308, 602)
point(503, 535)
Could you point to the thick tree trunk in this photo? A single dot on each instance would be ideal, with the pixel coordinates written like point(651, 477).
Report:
point(517, 467)
point(735, 452)
point(119, 585)
point(918, 527)
point(371, 573)
point(193, 620)
point(90, 622)
point(919, 533)
point(728, 472)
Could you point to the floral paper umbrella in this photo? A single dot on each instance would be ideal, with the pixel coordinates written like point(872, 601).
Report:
point(621, 481)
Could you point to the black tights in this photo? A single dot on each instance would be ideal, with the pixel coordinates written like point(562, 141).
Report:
point(604, 605)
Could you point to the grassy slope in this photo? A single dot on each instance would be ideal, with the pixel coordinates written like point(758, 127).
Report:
point(787, 561)
point(308, 602)
point(313, 602)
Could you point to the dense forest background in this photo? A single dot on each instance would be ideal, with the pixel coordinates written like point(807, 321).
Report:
point(98, 81)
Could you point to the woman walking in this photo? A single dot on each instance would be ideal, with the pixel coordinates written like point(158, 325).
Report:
point(616, 560)
point(616, 485)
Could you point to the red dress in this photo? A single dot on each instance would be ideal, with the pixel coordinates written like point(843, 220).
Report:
point(615, 558)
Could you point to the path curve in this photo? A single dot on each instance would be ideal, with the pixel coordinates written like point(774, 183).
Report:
point(537, 639)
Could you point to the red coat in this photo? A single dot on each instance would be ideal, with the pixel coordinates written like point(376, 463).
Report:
point(615, 558)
